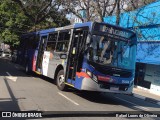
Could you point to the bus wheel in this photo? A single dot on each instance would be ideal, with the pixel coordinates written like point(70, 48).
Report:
point(61, 81)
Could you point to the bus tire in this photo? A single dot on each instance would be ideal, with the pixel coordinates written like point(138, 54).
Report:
point(61, 81)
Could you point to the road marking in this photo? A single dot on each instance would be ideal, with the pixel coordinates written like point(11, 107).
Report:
point(10, 77)
point(68, 98)
point(140, 107)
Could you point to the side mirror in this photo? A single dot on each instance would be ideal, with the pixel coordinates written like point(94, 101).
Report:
point(63, 56)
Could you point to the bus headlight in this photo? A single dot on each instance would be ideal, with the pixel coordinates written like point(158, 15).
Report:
point(89, 73)
point(94, 77)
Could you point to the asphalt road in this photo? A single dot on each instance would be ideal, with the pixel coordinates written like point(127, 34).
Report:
point(22, 92)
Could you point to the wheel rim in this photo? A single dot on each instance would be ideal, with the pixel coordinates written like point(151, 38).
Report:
point(61, 80)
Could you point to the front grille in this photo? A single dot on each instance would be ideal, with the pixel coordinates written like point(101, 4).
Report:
point(112, 72)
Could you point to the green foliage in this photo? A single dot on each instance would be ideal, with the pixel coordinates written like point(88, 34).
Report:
point(27, 15)
point(43, 13)
point(10, 38)
point(12, 21)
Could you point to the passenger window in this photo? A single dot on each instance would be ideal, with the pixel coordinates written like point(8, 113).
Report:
point(63, 41)
point(51, 44)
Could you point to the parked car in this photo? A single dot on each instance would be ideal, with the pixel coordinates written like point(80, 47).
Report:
point(14, 56)
point(6, 54)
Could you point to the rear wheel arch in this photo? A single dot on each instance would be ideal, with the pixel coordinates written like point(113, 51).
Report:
point(59, 67)
point(60, 78)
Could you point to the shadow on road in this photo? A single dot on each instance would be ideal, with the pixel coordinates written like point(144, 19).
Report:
point(7, 66)
point(95, 97)
point(10, 104)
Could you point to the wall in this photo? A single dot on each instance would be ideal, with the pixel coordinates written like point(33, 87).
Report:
point(146, 23)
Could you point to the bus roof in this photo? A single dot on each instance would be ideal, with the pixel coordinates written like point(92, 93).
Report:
point(76, 25)
point(89, 24)
point(43, 32)
point(116, 26)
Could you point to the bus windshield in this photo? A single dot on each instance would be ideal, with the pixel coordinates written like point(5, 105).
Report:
point(110, 52)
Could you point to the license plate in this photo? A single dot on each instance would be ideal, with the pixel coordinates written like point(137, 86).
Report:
point(114, 88)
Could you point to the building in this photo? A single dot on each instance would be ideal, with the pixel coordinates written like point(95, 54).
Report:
point(146, 22)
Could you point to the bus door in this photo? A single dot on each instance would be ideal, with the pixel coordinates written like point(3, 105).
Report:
point(42, 44)
point(76, 54)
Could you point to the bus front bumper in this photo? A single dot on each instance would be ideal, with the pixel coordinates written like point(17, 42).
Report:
point(90, 85)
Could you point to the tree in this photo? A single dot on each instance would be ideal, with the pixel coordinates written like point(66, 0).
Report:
point(135, 4)
point(41, 12)
point(121, 6)
point(76, 7)
point(83, 9)
point(12, 22)
point(35, 10)
point(95, 10)
point(104, 8)
point(27, 15)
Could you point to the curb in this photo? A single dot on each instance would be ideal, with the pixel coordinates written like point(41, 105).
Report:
point(146, 99)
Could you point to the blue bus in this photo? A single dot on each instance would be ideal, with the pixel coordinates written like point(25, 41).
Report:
point(88, 56)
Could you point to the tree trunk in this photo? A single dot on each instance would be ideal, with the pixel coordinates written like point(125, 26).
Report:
point(118, 13)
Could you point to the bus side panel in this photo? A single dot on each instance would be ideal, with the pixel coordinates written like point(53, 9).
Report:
point(45, 63)
point(79, 79)
point(51, 70)
point(51, 63)
point(29, 59)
